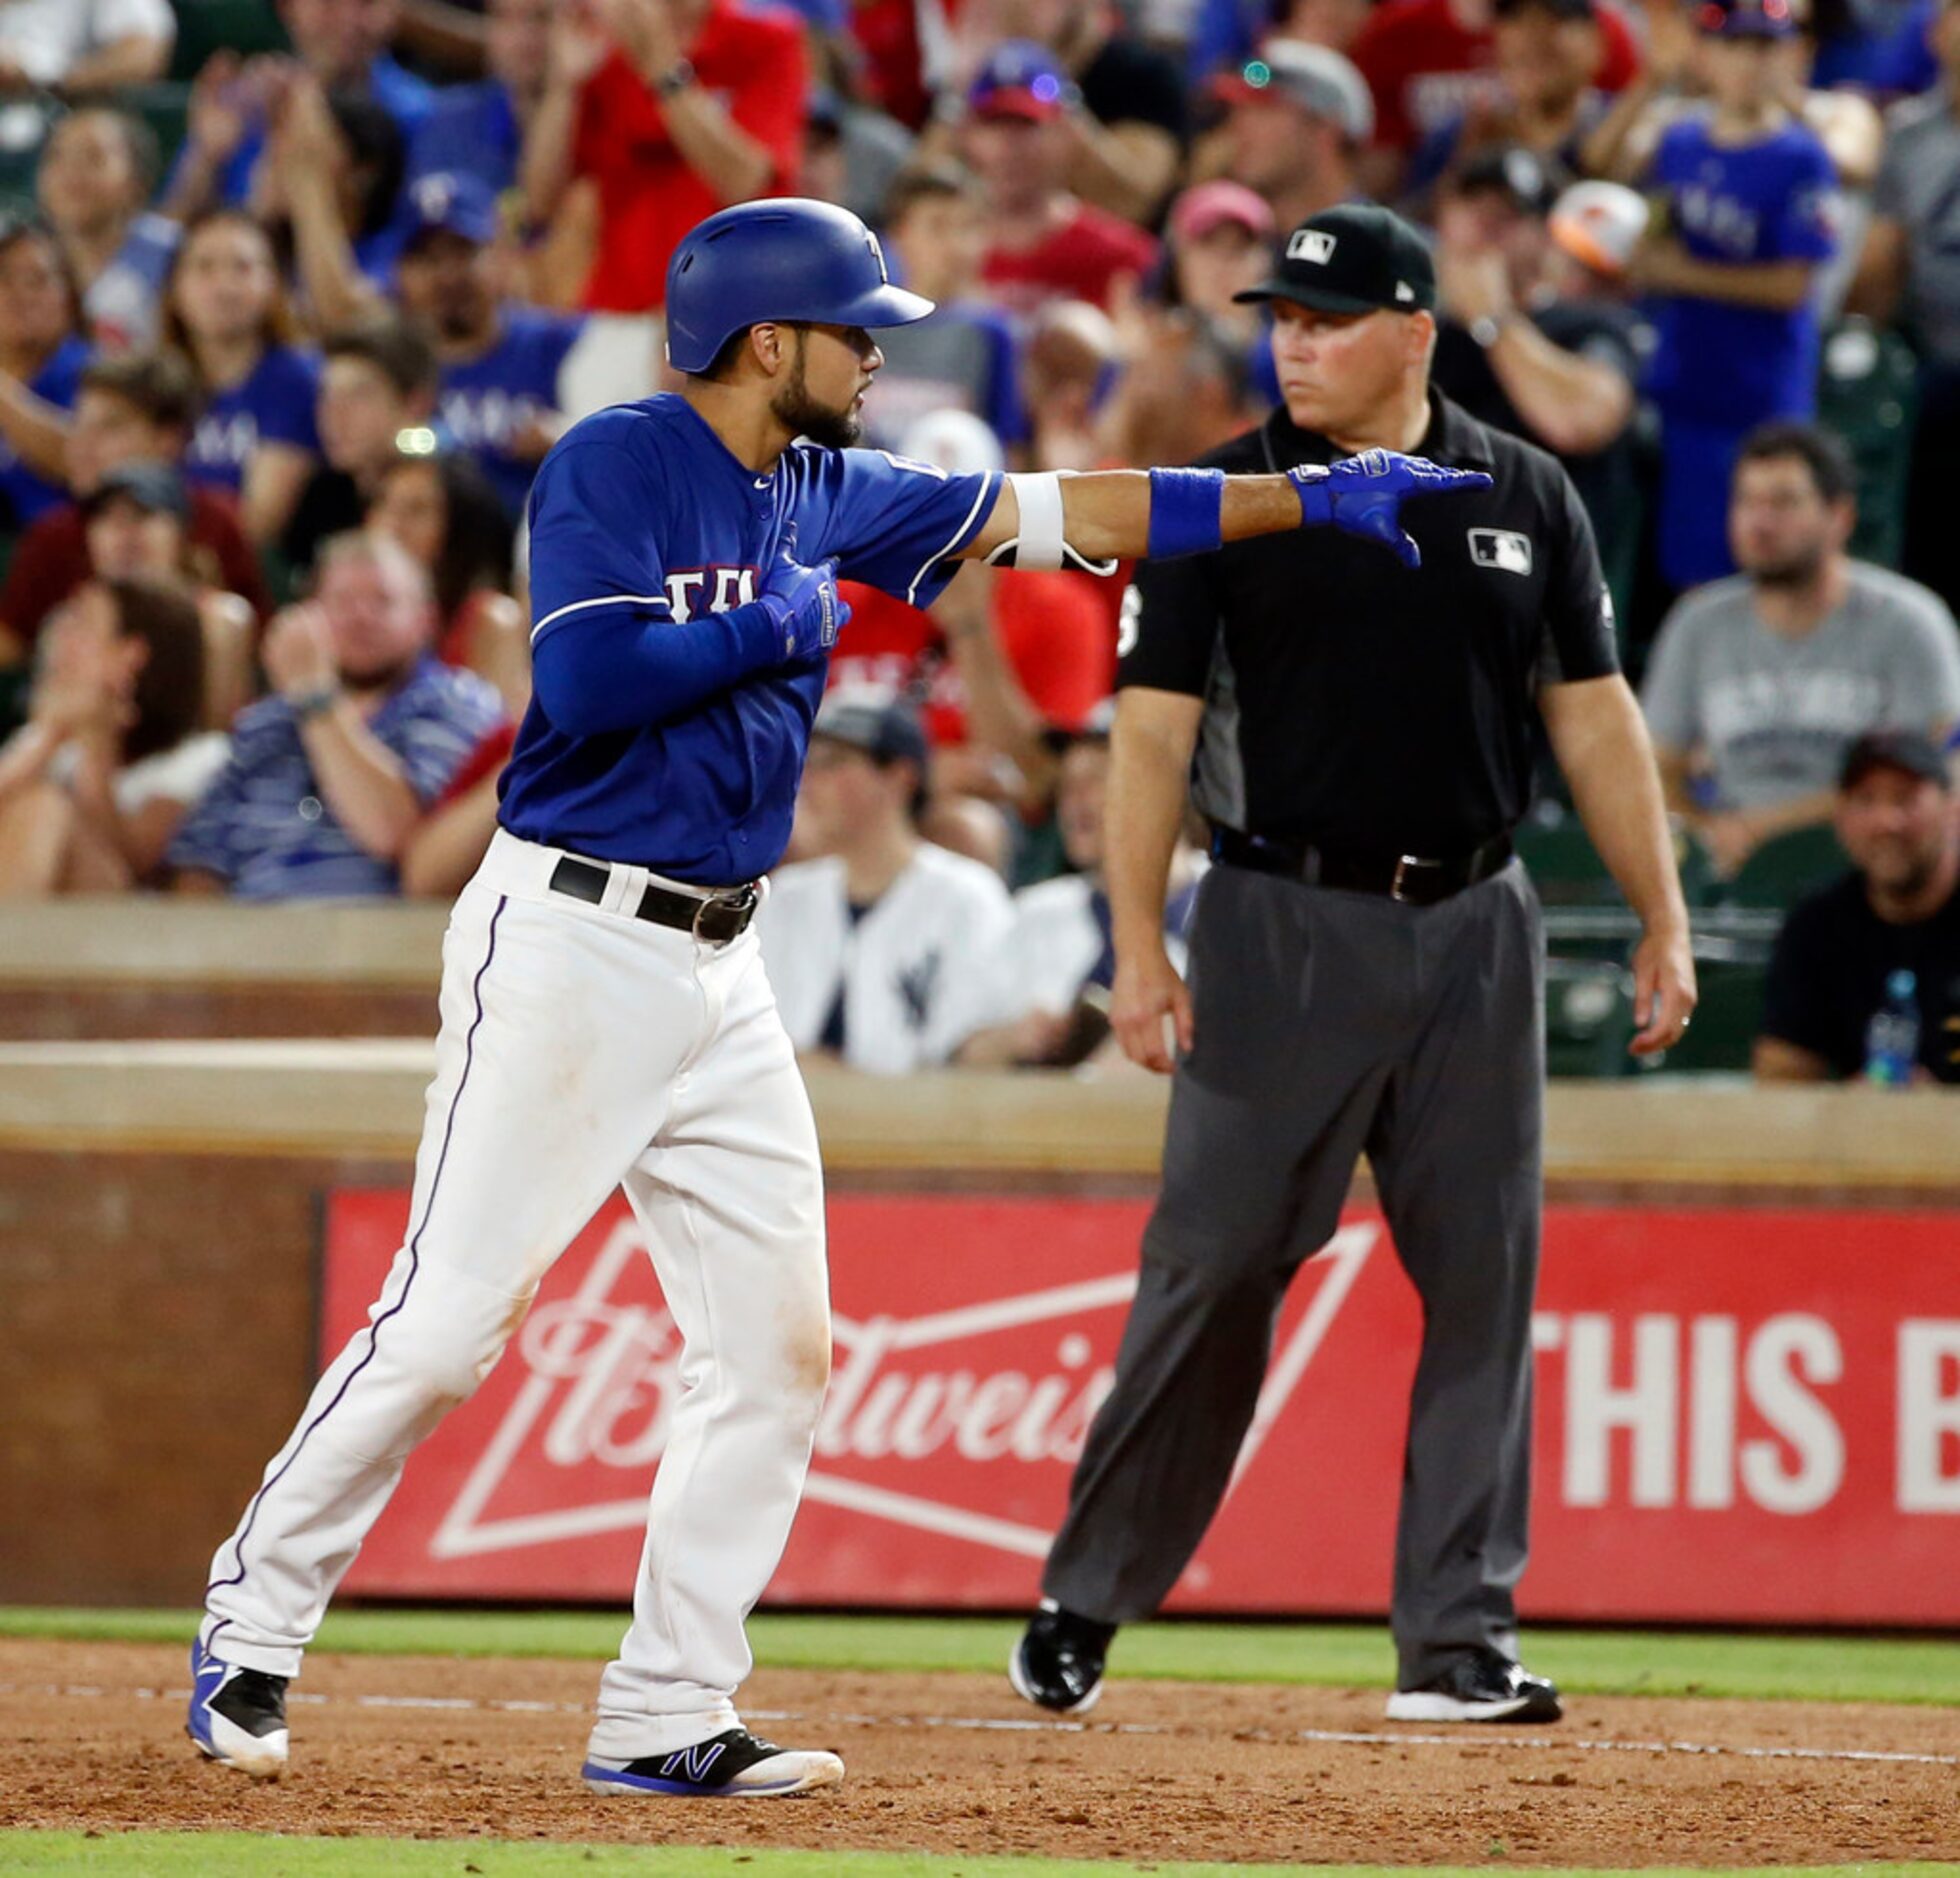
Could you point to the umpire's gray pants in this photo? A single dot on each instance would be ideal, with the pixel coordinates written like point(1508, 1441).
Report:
point(1327, 1023)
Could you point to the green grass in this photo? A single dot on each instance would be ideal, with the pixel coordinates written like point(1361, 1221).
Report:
point(1599, 1662)
point(260, 1855)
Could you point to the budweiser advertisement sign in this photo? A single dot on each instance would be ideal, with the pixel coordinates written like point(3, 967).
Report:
point(1742, 1415)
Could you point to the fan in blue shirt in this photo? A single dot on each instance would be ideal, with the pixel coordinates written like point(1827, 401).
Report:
point(42, 349)
point(500, 363)
point(1745, 188)
point(480, 128)
point(256, 438)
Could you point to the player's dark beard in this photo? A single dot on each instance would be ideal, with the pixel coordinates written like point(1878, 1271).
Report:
point(802, 416)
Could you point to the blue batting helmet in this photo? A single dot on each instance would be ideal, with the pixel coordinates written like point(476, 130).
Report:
point(780, 259)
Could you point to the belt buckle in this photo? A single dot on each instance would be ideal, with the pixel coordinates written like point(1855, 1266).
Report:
point(723, 917)
point(1398, 885)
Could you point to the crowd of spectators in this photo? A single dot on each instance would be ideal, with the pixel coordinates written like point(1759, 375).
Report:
point(284, 334)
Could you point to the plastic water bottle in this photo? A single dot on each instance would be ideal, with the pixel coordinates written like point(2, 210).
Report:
point(1892, 1036)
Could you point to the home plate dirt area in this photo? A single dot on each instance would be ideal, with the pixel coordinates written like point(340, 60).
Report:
point(91, 1736)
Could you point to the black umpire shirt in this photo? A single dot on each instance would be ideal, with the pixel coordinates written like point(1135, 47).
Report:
point(1353, 703)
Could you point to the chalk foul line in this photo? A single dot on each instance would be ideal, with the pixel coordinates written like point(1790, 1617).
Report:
point(1483, 1736)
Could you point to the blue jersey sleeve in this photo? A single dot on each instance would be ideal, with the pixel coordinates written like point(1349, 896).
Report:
point(595, 521)
point(1802, 229)
point(893, 523)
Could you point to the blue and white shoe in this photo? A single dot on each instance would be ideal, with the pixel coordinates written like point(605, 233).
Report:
point(237, 1716)
point(730, 1766)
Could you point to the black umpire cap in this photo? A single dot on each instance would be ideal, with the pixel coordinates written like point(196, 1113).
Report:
point(1352, 259)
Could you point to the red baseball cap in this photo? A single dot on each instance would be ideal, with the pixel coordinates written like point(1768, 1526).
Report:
point(1215, 204)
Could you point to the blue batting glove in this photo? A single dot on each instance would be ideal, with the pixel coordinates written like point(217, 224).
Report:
point(804, 605)
point(1362, 495)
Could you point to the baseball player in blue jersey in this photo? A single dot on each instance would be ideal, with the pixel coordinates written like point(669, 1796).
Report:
point(606, 1020)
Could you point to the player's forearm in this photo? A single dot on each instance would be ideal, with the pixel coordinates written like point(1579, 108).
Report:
point(1106, 515)
point(634, 671)
point(1600, 740)
point(361, 780)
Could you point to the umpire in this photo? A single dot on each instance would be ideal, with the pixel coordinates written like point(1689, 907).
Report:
point(1366, 969)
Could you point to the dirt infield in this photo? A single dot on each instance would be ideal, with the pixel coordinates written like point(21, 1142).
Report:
point(91, 1736)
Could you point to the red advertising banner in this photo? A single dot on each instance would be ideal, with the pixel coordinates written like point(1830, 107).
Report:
point(1742, 1416)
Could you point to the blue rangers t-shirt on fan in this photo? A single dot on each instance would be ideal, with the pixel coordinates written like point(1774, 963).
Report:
point(488, 401)
point(643, 507)
point(1743, 205)
point(274, 403)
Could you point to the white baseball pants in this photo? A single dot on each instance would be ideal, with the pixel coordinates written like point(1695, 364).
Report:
point(582, 1049)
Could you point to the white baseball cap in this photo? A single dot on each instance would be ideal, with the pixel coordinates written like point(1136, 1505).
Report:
point(1599, 224)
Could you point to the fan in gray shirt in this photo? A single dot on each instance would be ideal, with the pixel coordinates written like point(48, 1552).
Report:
point(1759, 683)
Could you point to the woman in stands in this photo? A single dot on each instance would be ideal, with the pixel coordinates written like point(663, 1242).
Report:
point(93, 786)
point(138, 523)
point(226, 311)
point(42, 353)
point(93, 184)
point(443, 510)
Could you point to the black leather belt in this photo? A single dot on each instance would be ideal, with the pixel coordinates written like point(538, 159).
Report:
point(1414, 879)
point(717, 919)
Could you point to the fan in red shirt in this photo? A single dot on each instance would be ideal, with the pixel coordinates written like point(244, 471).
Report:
point(1052, 629)
point(1429, 60)
point(1044, 244)
point(689, 106)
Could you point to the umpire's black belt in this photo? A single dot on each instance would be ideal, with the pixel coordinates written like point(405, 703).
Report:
point(1416, 880)
point(717, 918)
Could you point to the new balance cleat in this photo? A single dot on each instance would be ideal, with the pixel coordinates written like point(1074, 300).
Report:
point(237, 1716)
point(729, 1766)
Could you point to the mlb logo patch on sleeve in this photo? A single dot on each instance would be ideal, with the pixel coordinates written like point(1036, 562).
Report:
point(1501, 548)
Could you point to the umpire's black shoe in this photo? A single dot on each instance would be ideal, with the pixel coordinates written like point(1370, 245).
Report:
point(1485, 1687)
point(1058, 1663)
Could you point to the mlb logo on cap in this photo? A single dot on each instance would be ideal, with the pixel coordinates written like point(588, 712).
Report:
point(1311, 244)
point(1502, 549)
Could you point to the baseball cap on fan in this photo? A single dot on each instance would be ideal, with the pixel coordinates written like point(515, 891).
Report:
point(1319, 80)
point(454, 202)
point(1021, 79)
point(1904, 750)
point(1509, 170)
point(1353, 258)
point(878, 722)
point(1220, 203)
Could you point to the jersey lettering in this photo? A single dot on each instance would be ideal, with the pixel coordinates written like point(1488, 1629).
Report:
point(732, 587)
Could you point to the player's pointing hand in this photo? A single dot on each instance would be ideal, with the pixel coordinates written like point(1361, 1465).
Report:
point(1362, 495)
